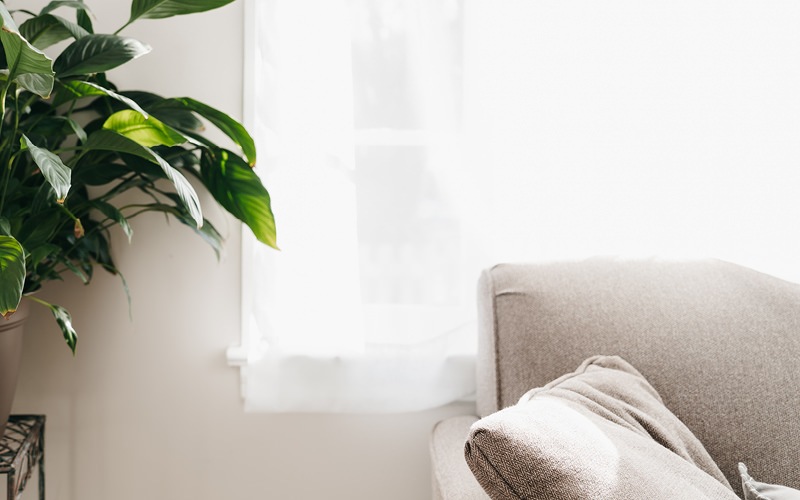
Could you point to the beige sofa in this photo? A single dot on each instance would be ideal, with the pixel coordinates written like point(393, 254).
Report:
point(719, 342)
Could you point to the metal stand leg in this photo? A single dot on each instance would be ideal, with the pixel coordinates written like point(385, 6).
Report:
point(41, 464)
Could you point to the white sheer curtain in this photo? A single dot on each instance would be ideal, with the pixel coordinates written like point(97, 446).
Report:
point(358, 114)
point(409, 143)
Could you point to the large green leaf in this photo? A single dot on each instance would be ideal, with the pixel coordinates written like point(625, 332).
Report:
point(97, 53)
point(146, 131)
point(230, 127)
point(238, 188)
point(75, 89)
point(108, 140)
point(29, 66)
point(57, 174)
point(55, 4)
point(44, 31)
point(158, 9)
point(12, 274)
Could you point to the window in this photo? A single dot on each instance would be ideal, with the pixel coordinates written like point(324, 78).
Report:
point(410, 143)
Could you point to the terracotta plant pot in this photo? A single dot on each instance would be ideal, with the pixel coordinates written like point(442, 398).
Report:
point(10, 357)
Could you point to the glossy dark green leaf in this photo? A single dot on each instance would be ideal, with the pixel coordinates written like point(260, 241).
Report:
point(12, 274)
point(76, 89)
point(97, 53)
point(239, 190)
point(146, 131)
point(108, 140)
point(57, 174)
point(29, 66)
point(158, 9)
point(44, 31)
point(230, 127)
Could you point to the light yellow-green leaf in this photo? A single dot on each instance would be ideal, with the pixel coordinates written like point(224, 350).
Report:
point(145, 131)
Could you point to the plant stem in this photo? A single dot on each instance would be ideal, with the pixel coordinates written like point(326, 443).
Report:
point(7, 171)
point(6, 178)
point(123, 27)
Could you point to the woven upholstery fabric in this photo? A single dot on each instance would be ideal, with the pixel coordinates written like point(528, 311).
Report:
point(600, 432)
point(452, 479)
point(719, 342)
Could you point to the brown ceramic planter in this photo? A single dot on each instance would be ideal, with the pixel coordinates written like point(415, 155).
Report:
point(10, 357)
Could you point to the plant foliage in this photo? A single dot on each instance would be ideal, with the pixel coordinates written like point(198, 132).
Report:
point(72, 143)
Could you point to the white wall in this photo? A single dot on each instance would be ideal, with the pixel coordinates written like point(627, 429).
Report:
point(638, 128)
point(148, 408)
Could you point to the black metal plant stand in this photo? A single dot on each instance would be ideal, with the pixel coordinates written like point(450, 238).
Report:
point(21, 450)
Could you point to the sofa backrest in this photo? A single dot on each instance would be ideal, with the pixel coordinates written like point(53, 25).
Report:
point(720, 343)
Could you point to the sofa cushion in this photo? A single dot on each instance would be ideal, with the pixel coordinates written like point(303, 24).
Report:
point(600, 432)
point(718, 341)
point(754, 490)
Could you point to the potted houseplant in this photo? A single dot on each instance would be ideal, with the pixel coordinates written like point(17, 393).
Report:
point(79, 156)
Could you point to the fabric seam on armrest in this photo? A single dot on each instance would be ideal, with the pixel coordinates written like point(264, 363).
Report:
point(496, 474)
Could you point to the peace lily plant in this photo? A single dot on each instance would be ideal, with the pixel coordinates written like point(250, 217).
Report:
point(73, 146)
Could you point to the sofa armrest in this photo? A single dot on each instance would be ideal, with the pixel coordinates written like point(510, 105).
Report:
point(452, 479)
